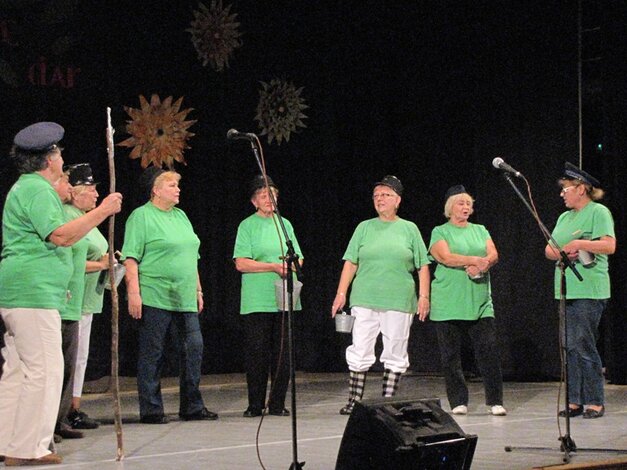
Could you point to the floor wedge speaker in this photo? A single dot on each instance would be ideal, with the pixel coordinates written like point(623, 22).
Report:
point(398, 434)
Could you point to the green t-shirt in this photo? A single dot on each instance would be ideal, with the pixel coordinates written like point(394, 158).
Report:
point(591, 223)
point(76, 287)
point(386, 255)
point(34, 273)
point(257, 239)
point(166, 249)
point(454, 296)
point(97, 247)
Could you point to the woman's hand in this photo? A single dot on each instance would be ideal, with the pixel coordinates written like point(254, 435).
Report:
point(135, 305)
point(473, 271)
point(483, 264)
point(280, 269)
point(423, 308)
point(338, 304)
point(200, 300)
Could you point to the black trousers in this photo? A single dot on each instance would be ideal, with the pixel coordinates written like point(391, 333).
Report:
point(266, 354)
point(69, 337)
point(482, 333)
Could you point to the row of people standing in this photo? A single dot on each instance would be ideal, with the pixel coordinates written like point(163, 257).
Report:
point(37, 237)
point(384, 254)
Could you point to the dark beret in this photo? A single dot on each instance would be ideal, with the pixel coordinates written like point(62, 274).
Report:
point(454, 190)
point(572, 172)
point(39, 137)
point(80, 174)
point(148, 177)
point(258, 183)
point(391, 182)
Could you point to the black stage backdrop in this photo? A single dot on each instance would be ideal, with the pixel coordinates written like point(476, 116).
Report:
point(428, 91)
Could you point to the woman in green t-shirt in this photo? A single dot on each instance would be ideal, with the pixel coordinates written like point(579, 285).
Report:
point(259, 246)
point(161, 258)
point(587, 228)
point(461, 301)
point(380, 261)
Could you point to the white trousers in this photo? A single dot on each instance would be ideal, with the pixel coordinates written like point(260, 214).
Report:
point(32, 377)
point(394, 328)
point(84, 333)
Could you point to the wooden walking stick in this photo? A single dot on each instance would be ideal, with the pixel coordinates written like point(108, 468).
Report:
point(115, 308)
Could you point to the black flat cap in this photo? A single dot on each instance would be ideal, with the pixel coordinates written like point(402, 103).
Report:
point(258, 183)
point(39, 137)
point(391, 182)
point(454, 190)
point(572, 172)
point(80, 174)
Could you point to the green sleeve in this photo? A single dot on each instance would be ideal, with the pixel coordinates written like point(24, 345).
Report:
point(135, 236)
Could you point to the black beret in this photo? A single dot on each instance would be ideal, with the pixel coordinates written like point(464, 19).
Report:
point(258, 183)
point(391, 182)
point(454, 190)
point(572, 172)
point(81, 174)
point(39, 137)
point(148, 177)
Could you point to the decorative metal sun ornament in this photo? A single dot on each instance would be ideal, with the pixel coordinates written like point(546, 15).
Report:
point(158, 131)
point(215, 34)
point(280, 110)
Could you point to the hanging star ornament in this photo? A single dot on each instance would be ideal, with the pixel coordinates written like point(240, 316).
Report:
point(215, 34)
point(158, 131)
point(280, 110)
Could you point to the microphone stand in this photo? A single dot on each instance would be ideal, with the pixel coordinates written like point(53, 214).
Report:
point(291, 261)
point(567, 444)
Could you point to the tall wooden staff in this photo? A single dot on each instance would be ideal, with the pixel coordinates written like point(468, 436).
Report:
point(115, 309)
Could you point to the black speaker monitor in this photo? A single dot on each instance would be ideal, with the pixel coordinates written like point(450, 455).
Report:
point(404, 435)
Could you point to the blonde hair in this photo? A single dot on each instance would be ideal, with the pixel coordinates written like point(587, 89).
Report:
point(169, 175)
point(448, 205)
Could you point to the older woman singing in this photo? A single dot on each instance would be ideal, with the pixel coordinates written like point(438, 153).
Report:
point(381, 257)
point(462, 301)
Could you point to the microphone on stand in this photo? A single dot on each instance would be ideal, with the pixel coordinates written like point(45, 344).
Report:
point(500, 164)
point(233, 134)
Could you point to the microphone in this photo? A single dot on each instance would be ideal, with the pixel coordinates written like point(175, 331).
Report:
point(499, 163)
point(233, 134)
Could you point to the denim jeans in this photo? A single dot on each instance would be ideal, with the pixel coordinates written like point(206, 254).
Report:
point(483, 336)
point(585, 373)
point(153, 331)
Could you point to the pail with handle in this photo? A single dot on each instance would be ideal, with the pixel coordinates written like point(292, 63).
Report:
point(344, 322)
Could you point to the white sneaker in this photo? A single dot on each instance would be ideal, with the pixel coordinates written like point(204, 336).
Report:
point(460, 410)
point(497, 410)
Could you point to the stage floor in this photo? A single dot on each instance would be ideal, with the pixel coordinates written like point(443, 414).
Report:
point(230, 442)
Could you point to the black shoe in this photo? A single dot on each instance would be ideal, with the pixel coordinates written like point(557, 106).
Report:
point(154, 419)
point(252, 412)
point(203, 414)
point(592, 414)
point(80, 420)
point(572, 412)
point(283, 412)
point(348, 409)
point(68, 433)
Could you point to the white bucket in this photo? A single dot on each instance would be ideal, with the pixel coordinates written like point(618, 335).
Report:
point(344, 322)
point(280, 293)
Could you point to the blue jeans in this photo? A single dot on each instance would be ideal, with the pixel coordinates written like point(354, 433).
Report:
point(153, 332)
point(585, 373)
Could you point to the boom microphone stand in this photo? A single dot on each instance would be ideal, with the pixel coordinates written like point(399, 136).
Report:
point(291, 261)
point(567, 444)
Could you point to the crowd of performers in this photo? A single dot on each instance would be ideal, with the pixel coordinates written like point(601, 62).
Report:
point(49, 225)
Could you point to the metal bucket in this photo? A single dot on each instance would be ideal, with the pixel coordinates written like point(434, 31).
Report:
point(280, 293)
point(344, 322)
point(103, 280)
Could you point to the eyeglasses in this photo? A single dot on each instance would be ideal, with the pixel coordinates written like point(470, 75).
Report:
point(384, 195)
point(566, 189)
